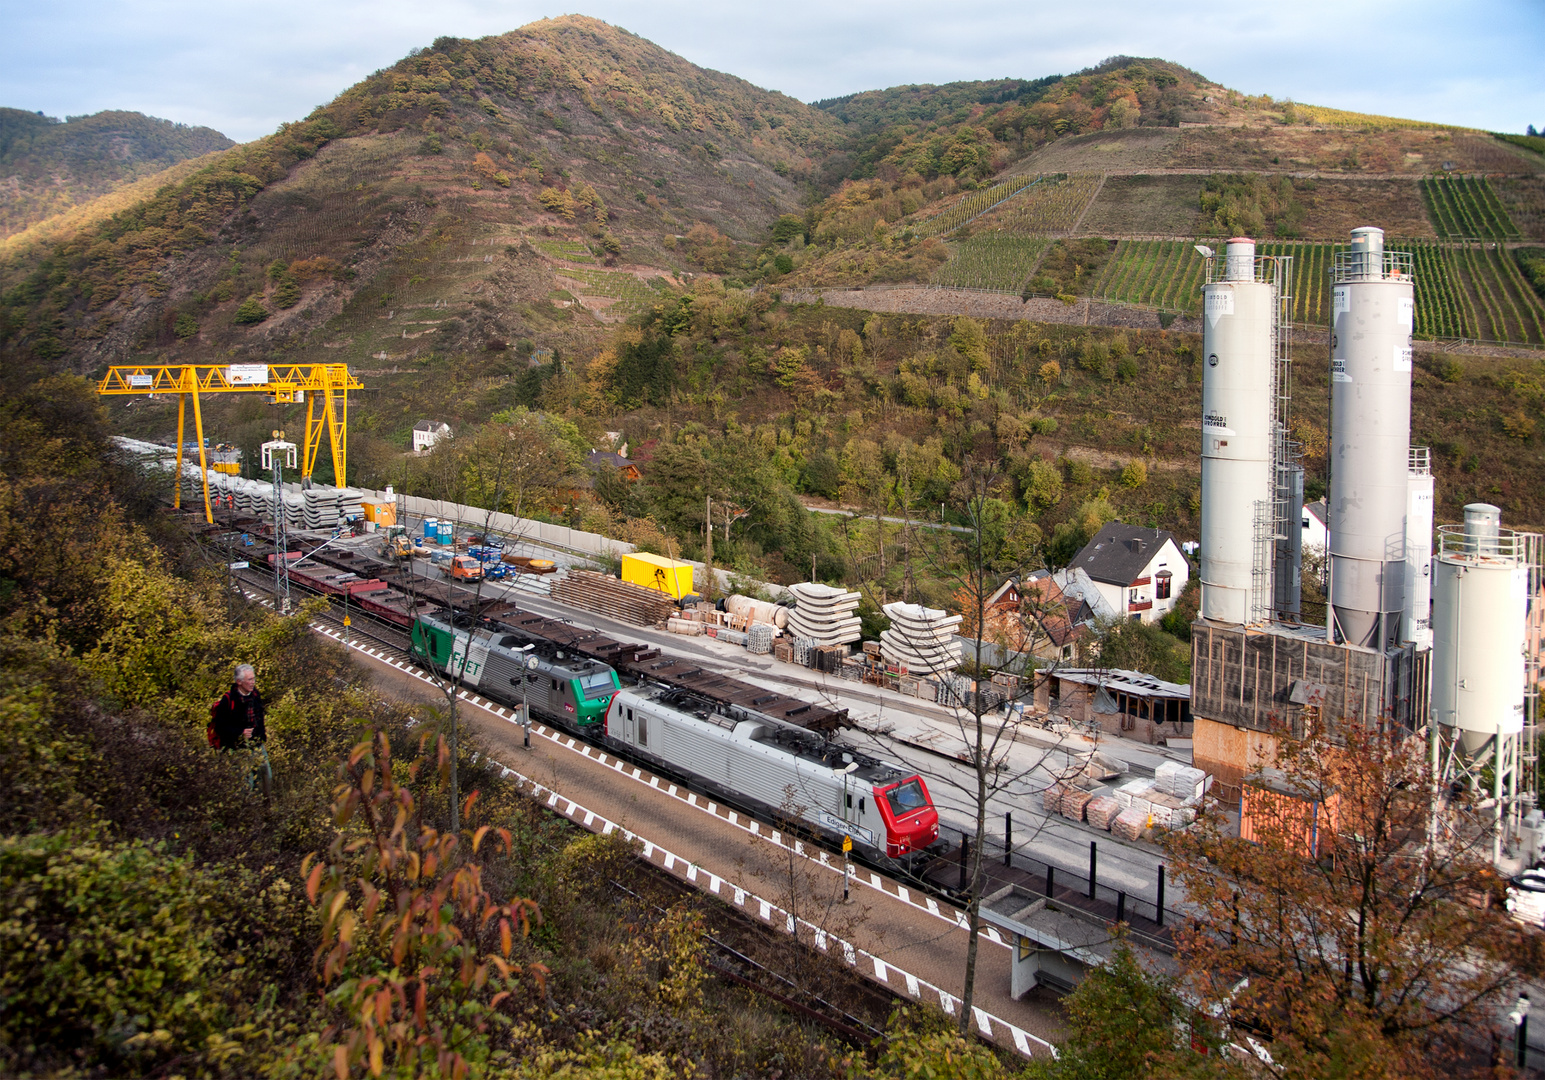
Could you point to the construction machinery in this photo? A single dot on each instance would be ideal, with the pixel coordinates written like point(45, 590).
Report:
point(323, 387)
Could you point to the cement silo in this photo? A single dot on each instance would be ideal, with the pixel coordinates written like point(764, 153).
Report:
point(1239, 357)
point(1372, 313)
point(1481, 670)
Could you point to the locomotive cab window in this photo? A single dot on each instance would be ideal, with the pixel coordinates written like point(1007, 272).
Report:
point(906, 798)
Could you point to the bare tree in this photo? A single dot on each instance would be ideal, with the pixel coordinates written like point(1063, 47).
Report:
point(997, 545)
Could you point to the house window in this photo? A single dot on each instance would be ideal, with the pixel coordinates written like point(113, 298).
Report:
point(1163, 583)
point(1134, 596)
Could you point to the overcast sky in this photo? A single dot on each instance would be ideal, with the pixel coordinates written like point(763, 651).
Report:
point(244, 68)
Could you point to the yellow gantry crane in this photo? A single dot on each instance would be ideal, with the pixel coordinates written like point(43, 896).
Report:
point(323, 387)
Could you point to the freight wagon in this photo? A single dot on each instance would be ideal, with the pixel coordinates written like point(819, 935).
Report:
point(778, 768)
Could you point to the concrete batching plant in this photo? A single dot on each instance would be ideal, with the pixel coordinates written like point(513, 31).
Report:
point(1372, 317)
point(1483, 675)
point(1409, 643)
point(1238, 436)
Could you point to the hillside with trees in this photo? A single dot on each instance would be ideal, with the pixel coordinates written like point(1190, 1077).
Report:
point(48, 166)
point(569, 223)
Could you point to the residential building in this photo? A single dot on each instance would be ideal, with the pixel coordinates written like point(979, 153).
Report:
point(428, 432)
point(1139, 572)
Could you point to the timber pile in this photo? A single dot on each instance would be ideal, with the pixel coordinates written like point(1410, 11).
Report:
point(617, 599)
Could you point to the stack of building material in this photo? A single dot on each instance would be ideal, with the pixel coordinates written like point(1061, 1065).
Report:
point(830, 658)
point(685, 627)
point(826, 615)
point(1074, 802)
point(734, 637)
point(1051, 798)
point(1129, 824)
point(872, 649)
point(804, 651)
point(750, 610)
point(1101, 811)
point(1182, 781)
point(759, 639)
point(320, 508)
point(1134, 793)
point(921, 638)
point(351, 504)
point(616, 599)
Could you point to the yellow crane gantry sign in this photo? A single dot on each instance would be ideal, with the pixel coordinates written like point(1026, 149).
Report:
point(327, 385)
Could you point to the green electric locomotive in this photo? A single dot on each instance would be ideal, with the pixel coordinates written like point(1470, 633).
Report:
point(562, 687)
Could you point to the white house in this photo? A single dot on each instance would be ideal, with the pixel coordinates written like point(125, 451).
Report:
point(1139, 572)
point(428, 432)
point(1315, 534)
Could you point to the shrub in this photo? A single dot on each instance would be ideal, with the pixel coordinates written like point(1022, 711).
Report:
point(251, 311)
point(186, 325)
point(1050, 372)
point(1449, 370)
point(1135, 475)
point(1518, 425)
point(110, 947)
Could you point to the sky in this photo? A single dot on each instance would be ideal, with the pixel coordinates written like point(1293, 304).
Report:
point(246, 68)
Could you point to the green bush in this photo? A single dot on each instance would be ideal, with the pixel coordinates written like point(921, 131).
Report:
point(251, 311)
point(186, 325)
point(109, 947)
point(287, 292)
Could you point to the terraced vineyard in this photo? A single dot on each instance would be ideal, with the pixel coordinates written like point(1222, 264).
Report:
point(568, 250)
point(1051, 208)
point(1309, 286)
point(1443, 309)
point(1465, 208)
point(991, 262)
point(1505, 307)
point(629, 294)
point(1165, 274)
point(974, 204)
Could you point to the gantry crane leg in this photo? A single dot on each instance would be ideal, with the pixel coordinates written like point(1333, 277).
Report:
point(336, 426)
point(308, 459)
point(203, 464)
point(182, 406)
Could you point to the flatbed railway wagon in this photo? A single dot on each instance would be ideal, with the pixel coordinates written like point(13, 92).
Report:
point(779, 768)
point(563, 687)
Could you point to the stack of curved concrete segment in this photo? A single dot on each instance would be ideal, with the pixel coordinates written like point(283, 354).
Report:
point(825, 615)
point(921, 638)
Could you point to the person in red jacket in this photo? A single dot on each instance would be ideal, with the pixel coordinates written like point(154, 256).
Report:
point(236, 721)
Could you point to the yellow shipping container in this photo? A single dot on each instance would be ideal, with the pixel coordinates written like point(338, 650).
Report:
point(669, 576)
point(383, 514)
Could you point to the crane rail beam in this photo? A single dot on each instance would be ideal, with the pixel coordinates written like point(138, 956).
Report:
point(217, 379)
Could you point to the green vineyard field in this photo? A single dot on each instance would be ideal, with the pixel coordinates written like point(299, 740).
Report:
point(1462, 291)
point(974, 204)
point(1165, 274)
point(1048, 209)
point(1465, 208)
point(991, 262)
point(631, 295)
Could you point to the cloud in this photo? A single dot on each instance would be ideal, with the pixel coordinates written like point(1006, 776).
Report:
point(245, 69)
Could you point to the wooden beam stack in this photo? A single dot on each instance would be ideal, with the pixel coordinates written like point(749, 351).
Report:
point(616, 599)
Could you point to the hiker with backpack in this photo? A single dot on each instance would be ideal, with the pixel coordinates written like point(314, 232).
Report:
point(236, 723)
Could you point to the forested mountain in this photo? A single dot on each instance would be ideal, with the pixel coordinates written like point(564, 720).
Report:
point(567, 218)
point(48, 166)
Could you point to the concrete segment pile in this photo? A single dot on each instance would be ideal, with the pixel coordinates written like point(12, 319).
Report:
point(826, 615)
point(921, 639)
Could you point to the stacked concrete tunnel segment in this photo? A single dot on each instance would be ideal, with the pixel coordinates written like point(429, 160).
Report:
point(920, 638)
point(825, 615)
